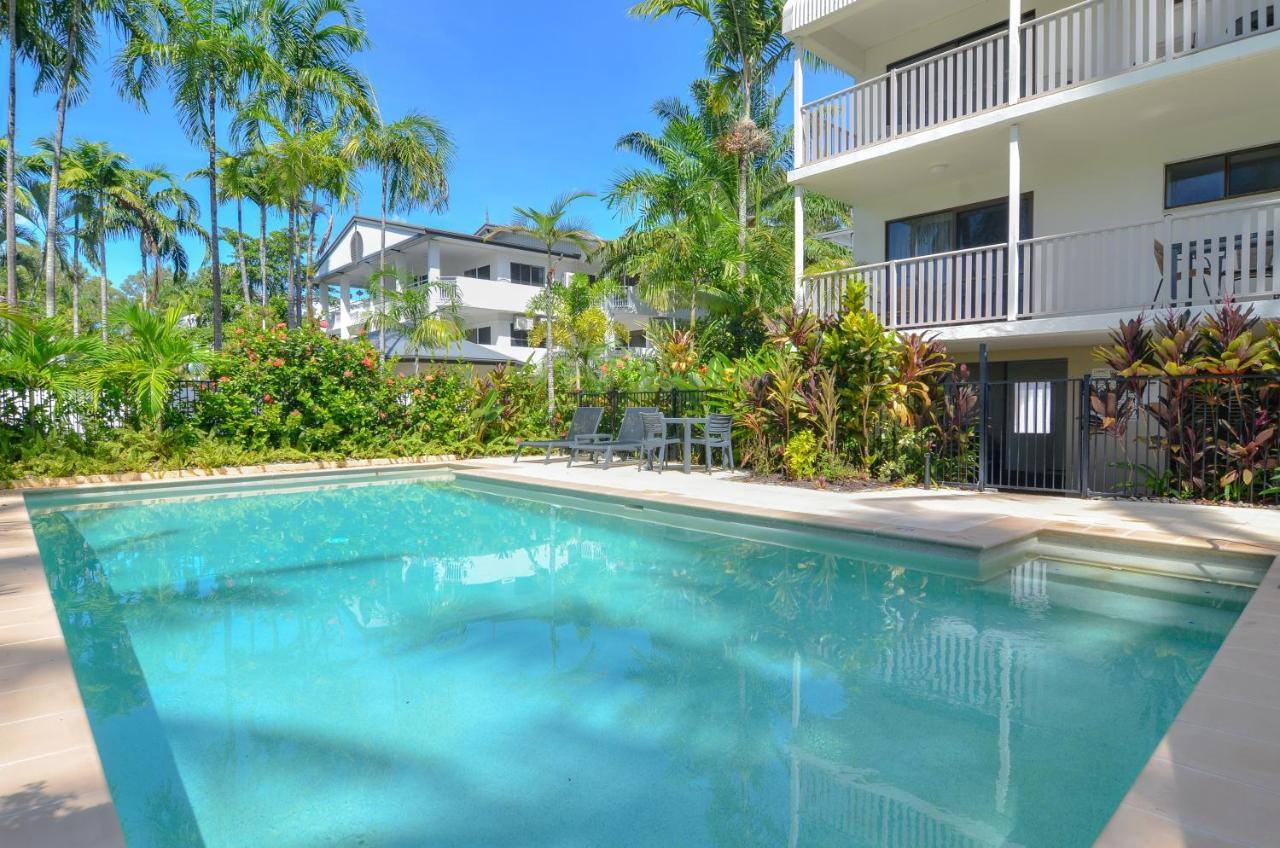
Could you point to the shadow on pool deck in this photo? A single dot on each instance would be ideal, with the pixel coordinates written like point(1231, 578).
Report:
point(35, 817)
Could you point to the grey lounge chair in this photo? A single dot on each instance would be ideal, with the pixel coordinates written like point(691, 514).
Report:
point(585, 424)
point(656, 441)
point(718, 433)
point(630, 438)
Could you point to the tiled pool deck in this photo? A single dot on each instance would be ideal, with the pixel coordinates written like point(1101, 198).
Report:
point(1214, 780)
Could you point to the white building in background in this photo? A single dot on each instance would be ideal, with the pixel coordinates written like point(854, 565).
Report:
point(1027, 174)
point(496, 276)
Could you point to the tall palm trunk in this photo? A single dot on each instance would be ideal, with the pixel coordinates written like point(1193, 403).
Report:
point(144, 256)
point(262, 249)
point(311, 254)
point(244, 264)
point(551, 370)
point(55, 169)
point(156, 268)
point(382, 265)
point(290, 290)
point(10, 230)
point(104, 287)
point(75, 276)
point(743, 163)
point(215, 304)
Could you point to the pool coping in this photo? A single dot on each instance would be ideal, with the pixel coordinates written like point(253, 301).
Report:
point(1214, 780)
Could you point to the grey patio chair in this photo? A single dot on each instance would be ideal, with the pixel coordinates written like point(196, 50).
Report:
point(656, 441)
point(585, 424)
point(630, 438)
point(718, 433)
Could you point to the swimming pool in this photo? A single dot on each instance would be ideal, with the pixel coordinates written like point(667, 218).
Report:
point(404, 661)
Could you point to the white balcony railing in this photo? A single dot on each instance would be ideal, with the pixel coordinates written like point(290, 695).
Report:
point(964, 81)
point(1079, 44)
point(800, 13)
point(1183, 260)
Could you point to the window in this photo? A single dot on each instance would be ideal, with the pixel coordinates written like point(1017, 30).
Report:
point(519, 338)
point(960, 228)
point(481, 273)
point(357, 246)
point(1221, 176)
point(480, 335)
point(1032, 408)
point(637, 338)
point(529, 275)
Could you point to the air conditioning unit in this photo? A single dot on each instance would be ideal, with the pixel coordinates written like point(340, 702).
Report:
point(524, 322)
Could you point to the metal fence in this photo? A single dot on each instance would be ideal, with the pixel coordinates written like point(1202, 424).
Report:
point(1212, 437)
point(675, 403)
point(80, 411)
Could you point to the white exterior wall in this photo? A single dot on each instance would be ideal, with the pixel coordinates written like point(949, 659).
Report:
point(1086, 188)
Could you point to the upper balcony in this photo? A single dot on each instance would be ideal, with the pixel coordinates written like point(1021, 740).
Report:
point(1080, 44)
point(1083, 280)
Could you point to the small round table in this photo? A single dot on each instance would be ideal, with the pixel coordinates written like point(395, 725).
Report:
point(688, 424)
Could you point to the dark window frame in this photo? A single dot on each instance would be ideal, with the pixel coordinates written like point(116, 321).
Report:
point(1224, 159)
point(474, 273)
point(538, 275)
point(1028, 197)
point(480, 335)
point(519, 338)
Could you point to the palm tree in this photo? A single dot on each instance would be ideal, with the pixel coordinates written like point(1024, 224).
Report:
point(584, 327)
point(94, 170)
point(38, 356)
point(164, 212)
point(208, 54)
point(22, 31)
point(72, 35)
point(150, 354)
point(235, 183)
point(551, 228)
point(745, 49)
point(413, 156)
point(682, 205)
point(316, 91)
point(79, 166)
point(426, 315)
point(294, 163)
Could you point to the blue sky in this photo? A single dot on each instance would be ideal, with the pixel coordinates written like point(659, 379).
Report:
point(535, 94)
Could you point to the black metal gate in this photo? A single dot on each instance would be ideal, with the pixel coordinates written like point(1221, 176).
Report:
point(1203, 436)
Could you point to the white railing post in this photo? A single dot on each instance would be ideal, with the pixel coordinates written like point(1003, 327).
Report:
point(799, 245)
point(893, 103)
point(1170, 269)
point(1012, 264)
point(891, 278)
point(797, 109)
point(1014, 51)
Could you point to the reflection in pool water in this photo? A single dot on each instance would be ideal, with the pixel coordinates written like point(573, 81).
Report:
point(417, 663)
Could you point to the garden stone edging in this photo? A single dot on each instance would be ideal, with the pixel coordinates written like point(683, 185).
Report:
point(25, 483)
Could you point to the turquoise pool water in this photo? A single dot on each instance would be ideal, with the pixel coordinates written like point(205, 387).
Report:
point(416, 663)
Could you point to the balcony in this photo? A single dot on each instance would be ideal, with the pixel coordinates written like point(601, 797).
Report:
point(1084, 43)
point(1179, 261)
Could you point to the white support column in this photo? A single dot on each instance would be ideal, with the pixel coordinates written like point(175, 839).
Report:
point(1013, 262)
point(344, 309)
point(324, 299)
point(1015, 51)
point(797, 140)
point(797, 106)
point(799, 246)
point(433, 260)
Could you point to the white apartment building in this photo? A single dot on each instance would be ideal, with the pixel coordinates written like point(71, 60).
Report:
point(496, 275)
point(1026, 174)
